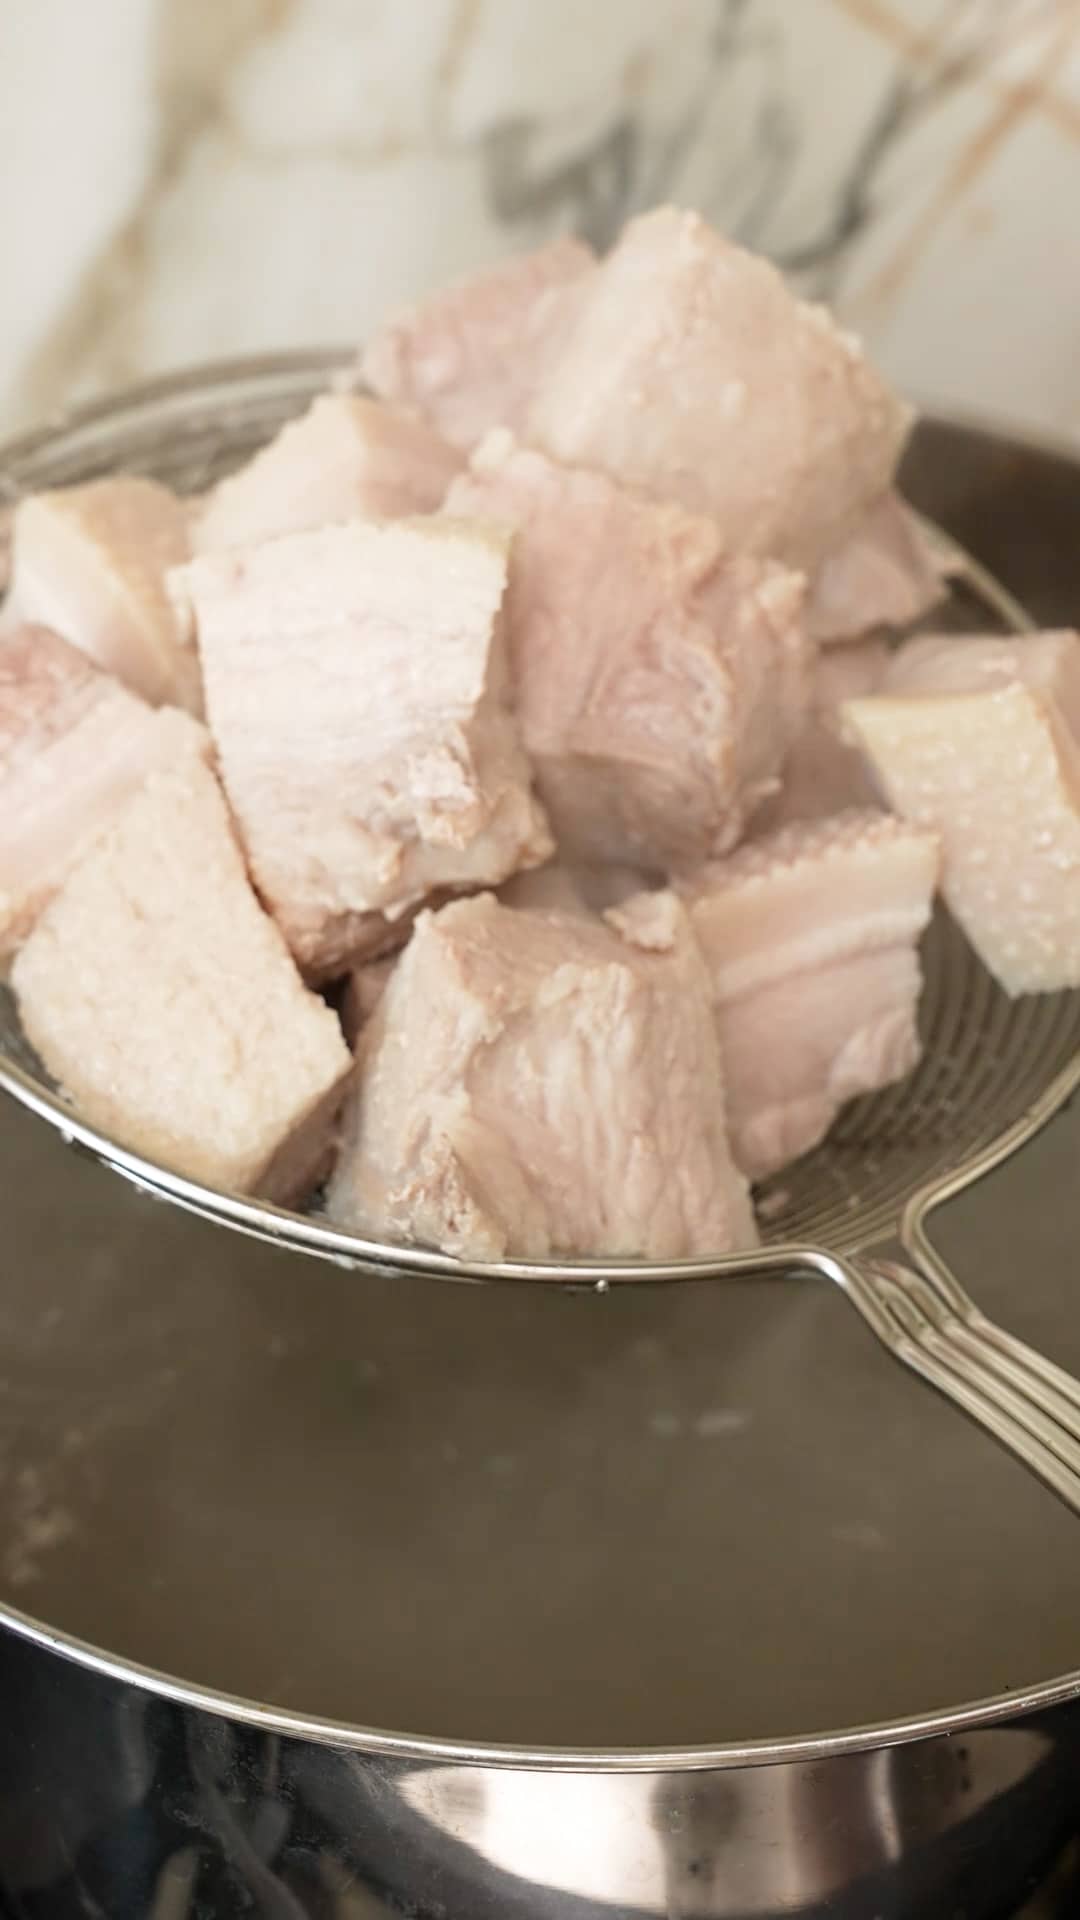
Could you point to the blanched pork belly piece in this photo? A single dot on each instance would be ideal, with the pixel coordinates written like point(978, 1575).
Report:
point(658, 685)
point(74, 746)
point(1048, 663)
point(163, 999)
point(812, 893)
point(823, 772)
point(809, 939)
point(355, 691)
point(347, 455)
point(470, 357)
point(796, 1052)
point(976, 738)
point(90, 562)
point(887, 573)
point(536, 1083)
point(689, 370)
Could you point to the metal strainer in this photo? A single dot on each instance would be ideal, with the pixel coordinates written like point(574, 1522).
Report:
point(855, 1211)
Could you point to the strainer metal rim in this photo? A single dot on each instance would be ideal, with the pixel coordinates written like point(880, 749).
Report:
point(259, 1220)
point(379, 1742)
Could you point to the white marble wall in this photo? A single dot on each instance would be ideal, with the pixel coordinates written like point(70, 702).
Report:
point(190, 178)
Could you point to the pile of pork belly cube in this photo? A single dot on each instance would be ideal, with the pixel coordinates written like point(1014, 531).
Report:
point(501, 809)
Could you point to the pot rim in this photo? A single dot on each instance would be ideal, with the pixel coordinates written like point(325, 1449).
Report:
point(379, 1743)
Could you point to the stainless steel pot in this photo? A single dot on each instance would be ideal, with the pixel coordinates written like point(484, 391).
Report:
point(681, 1600)
point(118, 1803)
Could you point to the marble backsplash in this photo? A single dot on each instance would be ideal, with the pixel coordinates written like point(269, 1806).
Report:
point(187, 179)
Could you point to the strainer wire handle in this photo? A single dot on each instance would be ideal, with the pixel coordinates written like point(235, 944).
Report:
point(1018, 1362)
point(1029, 1417)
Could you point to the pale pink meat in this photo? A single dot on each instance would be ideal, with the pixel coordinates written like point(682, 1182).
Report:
point(163, 1000)
point(809, 938)
point(977, 738)
point(799, 1050)
point(689, 370)
point(814, 892)
point(470, 356)
point(1048, 663)
point(355, 691)
point(658, 684)
point(347, 455)
point(90, 562)
point(74, 746)
point(535, 1083)
point(887, 573)
point(823, 772)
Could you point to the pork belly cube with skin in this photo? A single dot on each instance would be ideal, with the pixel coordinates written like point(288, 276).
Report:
point(797, 1051)
point(658, 684)
point(976, 738)
point(470, 356)
point(163, 1000)
point(811, 893)
point(887, 573)
point(347, 455)
point(90, 562)
point(537, 1083)
point(824, 773)
point(689, 370)
point(74, 746)
point(809, 937)
point(355, 692)
point(1048, 663)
